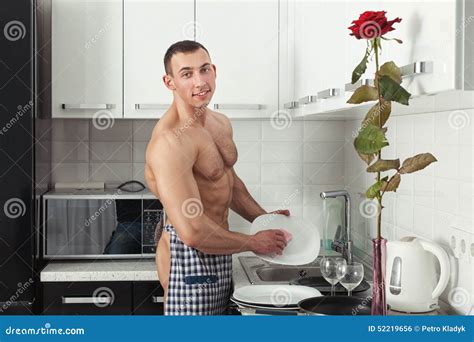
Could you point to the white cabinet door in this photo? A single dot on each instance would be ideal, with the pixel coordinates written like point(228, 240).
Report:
point(320, 49)
point(242, 39)
point(429, 31)
point(86, 58)
point(150, 27)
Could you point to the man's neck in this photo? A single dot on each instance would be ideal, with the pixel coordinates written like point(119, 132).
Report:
point(189, 115)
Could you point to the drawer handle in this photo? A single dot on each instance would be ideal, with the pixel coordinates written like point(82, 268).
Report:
point(87, 300)
point(327, 93)
point(139, 106)
point(291, 105)
point(308, 99)
point(361, 82)
point(87, 106)
point(416, 68)
point(157, 299)
point(237, 106)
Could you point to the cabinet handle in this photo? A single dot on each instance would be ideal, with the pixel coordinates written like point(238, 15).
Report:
point(331, 92)
point(87, 106)
point(308, 99)
point(237, 106)
point(416, 68)
point(157, 299)
point(291, 105)
point(86, 300)
point(364, 81)
point(139, 106)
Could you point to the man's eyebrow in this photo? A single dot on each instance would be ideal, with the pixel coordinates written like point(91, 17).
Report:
point(189, 68)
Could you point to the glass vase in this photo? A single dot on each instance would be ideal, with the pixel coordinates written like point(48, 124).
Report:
point(379, 249)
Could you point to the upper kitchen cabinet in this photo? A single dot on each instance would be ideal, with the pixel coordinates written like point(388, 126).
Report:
point(319, 51)
point(437, 51)
point(86, 67)
point(243, 40)
point(150, 27)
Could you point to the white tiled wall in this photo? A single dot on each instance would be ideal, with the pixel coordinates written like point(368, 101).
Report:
point(288, 168)
point(282, 168)
point(435, 203)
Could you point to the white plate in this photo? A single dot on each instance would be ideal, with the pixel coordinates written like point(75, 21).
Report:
point(273, 295)
point(303, 248)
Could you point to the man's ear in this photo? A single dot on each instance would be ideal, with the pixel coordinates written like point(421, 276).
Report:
point(214, 67)
point(168, 81)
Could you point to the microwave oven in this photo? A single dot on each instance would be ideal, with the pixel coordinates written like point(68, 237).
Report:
point(100, 224)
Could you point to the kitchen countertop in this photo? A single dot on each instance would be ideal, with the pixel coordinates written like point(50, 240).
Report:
point(138, 270)
point(100, 270)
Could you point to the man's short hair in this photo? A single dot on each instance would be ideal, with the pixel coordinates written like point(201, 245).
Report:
point(183, 46)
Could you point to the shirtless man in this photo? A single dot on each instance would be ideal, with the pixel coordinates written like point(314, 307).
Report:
point(189, 167)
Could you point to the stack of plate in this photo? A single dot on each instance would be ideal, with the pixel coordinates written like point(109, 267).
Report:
point(272, 299)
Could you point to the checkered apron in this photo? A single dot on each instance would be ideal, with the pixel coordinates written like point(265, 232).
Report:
point(199, 283)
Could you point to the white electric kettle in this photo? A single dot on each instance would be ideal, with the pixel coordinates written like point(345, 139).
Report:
point(411, 281)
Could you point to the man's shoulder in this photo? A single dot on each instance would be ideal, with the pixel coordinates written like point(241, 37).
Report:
point(224, 119)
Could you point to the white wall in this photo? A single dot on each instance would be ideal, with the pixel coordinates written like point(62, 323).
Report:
point(436, 203)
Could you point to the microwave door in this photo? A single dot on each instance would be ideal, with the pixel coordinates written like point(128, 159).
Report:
point(88, 227)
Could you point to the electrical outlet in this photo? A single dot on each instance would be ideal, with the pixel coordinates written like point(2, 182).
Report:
point(461, 244)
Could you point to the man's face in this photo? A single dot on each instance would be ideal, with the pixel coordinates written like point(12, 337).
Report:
point(194, 77)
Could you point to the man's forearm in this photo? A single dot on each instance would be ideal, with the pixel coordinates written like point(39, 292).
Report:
point(210, 238)
point(244, 204)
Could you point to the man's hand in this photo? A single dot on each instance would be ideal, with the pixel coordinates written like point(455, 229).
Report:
point(271, 241)
point(285, 212)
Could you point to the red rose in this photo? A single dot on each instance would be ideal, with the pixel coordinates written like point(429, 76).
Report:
point(372, 24)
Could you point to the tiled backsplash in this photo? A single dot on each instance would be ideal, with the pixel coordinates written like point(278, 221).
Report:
point(281, 167)
point(288, 168)
point(435, 203)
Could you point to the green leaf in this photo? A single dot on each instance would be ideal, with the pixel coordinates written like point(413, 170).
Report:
point(364, 93)
point(392, 91)
point(384, 165)
point(374, 190)
point(371, 139)
point(367, 158)
point(392, 184)
point(416, 163)
point(391, 70)
point(372, 117)
point(361, 67)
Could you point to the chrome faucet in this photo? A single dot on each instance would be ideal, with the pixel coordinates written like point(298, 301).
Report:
point(346, 237)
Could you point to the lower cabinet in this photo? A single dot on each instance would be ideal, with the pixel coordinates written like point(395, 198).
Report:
point(102, 298)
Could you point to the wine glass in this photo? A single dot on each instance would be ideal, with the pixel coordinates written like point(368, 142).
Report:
point(332, 269)
point(354, 273)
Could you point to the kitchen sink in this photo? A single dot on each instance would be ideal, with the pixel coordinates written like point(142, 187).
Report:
point(286, 274)
point(259, 272)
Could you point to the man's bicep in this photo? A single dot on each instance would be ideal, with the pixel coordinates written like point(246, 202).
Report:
point(177, 186)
